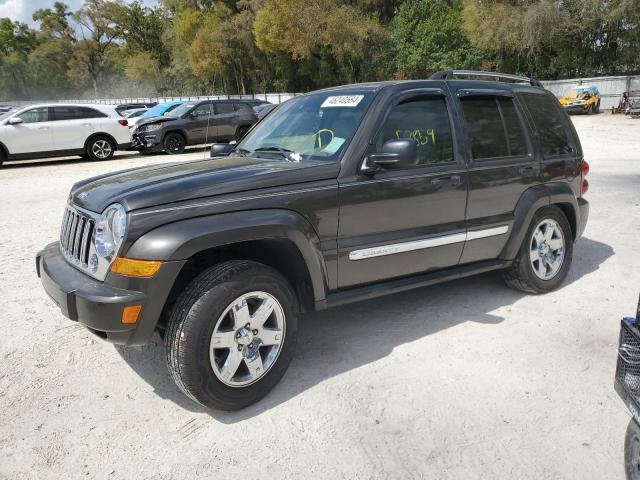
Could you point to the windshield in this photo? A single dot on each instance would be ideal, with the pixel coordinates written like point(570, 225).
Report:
point(180, 110)
point(4, 116)
point(159, 110)
point(316, 126)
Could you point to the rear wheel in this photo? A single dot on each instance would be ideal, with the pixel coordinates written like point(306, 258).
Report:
point(100, 148)
point(544, 258)
point(174, 143)
point(597, 110)
point(232, 334)
point(2, 157)
point(632, 451)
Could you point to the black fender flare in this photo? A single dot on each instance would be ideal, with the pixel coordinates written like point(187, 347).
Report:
point(529, 203)
point(534, 198)
point(183, 239)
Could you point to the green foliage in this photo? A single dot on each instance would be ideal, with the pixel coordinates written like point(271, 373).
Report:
point(183, 47)
point(428, 36)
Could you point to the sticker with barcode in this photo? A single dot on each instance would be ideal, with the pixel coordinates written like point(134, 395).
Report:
point(342, 101)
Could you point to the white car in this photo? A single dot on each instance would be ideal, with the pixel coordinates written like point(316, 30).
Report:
point(133, 116)
point(56, 130)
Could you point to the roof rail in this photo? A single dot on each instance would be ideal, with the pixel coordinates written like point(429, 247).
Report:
point(450, 74)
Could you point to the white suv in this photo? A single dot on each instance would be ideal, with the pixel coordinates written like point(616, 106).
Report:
point(55, 130)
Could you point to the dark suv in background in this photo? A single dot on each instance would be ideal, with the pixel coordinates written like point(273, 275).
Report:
point(194, 123)
point(336, 196)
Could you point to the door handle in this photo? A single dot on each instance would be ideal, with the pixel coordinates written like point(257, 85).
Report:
point(449, 181)
point(531, 169)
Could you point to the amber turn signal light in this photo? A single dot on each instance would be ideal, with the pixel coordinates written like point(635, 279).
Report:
point(135, 268)
point(130, 314)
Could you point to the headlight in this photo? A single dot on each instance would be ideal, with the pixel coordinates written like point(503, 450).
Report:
point(152, 127)
point(110, 230)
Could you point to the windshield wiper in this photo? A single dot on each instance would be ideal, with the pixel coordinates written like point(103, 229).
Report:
point(274, 149)
point(241, 151)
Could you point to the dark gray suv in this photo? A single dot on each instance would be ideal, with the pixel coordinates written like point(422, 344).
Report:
point(194, 123)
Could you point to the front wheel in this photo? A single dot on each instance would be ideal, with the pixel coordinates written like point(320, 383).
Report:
point(174, 144)
point(100, 148)
point(232, 334)
point(544, 258)
point(632, 451)
point(241, 132)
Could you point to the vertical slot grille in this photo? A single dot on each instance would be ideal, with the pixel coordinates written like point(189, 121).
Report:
point(75, 235)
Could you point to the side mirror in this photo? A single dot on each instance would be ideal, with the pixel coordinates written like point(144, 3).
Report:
point(394, 154)
point(221, 149)
point(15, 121)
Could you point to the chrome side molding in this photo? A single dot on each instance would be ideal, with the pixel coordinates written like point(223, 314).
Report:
point(430, 242)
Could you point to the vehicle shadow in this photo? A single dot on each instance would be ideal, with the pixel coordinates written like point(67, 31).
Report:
point(335, 341)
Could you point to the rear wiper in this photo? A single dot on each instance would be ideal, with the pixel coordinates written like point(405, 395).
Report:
point(273, 149)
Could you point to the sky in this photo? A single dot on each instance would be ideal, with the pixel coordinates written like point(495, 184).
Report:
point(22, 10)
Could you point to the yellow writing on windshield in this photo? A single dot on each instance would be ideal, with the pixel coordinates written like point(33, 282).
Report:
point(422, 136)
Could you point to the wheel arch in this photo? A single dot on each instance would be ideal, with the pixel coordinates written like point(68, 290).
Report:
point(100, 134)
point(533, 199)
point(281, 239)
point(4, 151)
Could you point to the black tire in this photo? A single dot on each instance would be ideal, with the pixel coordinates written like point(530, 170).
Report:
point(241, 132)
point(2, 158)
point(192, 322)
point(590, 110)
point(632, 451)
point(100, 148)
point(174, 143)
point(520, 275)
point(597, 109)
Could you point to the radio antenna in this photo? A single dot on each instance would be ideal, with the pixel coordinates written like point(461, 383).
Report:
point(206, 135)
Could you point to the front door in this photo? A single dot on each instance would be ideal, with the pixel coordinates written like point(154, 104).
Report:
point(32, 135)
point(200, 126)
point(395, 223)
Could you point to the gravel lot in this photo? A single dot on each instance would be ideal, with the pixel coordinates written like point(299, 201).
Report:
point(464, 380)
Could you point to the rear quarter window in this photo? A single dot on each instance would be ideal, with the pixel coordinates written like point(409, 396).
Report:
point(553, 132)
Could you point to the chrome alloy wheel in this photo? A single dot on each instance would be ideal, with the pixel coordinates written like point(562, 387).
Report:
point(547, 249)
point(101, 149)
point(247, 339)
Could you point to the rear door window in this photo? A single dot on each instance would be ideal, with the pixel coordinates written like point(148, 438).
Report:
point(547, 117)
point(75, 113)
point(493, 127)
point(222, 108)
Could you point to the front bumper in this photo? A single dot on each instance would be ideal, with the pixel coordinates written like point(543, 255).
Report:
point(98, 305)
point(576, 108)
point(151, 141)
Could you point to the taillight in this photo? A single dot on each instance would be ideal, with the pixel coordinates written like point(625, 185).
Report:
point(584, 183)
point(123, 122)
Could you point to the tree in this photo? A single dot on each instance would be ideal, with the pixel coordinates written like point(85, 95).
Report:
point(17, 40)
point(90, 58)
point(427, 36)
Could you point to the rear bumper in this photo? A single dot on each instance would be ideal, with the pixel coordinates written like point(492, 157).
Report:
point(98, 305)
point(581, 224)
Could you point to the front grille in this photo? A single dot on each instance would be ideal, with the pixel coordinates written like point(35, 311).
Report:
point(76, 236)
point(628, 368)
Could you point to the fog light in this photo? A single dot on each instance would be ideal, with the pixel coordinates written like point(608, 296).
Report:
point(130, 314)
point(135, 268)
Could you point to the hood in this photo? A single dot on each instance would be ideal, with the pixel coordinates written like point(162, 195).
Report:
point(162, 184)
point(158, 119)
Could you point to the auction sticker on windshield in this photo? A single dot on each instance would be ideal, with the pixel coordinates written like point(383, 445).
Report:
point(342, 101)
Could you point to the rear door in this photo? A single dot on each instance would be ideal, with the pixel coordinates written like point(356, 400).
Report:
point(32, 135)
point(225, 121)
point(502, 165)
point(72, 125)
point(395, 223)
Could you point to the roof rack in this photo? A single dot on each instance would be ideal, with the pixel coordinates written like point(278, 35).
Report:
point(450, 74)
